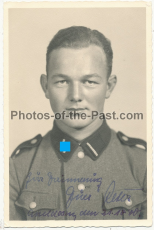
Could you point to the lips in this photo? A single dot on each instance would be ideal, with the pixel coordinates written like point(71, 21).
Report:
point(77, 110)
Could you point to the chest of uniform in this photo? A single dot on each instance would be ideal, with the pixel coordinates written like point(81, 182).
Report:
point(80, 189)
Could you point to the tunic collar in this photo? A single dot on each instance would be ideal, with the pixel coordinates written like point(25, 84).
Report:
point(93, 146)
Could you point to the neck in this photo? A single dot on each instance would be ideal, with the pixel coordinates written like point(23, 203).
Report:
point(80, 134)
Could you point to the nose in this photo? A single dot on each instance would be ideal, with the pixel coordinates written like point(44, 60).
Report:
point(75, 92)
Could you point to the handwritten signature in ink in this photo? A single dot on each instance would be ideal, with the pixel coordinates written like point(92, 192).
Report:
point(81, 196)
point(110, 196)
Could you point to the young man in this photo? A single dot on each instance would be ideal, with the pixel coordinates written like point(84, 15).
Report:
point(103, 176)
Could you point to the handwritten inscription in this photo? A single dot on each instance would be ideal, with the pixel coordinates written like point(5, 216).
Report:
point(38, 178)
point(110, 196)
point(110, 212)
point(74, 180)
point(70, 193)
point(51, 213)
point(52, 179)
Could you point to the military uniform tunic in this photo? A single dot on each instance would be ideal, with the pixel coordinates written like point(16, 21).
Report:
point(101, 178)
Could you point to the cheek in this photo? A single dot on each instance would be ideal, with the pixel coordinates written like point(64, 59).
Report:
point(55, 94)
point(97, 97)
point(56, 98)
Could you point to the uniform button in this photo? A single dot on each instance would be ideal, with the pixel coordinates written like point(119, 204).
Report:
point(128, 202)
point(33, 141)
point(17, 151)
point(81, 187)
point(80, 154)
point(125, 138)
point(32, 205)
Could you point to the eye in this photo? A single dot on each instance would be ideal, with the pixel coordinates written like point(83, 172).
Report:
point(61, 83)
point(90, 83)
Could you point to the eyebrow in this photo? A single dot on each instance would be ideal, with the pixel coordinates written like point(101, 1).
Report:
point(84, 76)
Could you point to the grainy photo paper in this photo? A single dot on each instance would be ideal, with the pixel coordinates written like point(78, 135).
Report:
point(77, 105)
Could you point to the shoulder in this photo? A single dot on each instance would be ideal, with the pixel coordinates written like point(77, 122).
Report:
point(22, 158)
point(26, 147)
point(132, 148)
point(131, 152)
point(132, 142)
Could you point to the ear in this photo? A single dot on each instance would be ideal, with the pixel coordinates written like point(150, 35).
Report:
point(112, 80)
point(44, 84)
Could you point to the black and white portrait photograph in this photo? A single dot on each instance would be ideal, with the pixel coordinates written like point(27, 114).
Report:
point(78, 115)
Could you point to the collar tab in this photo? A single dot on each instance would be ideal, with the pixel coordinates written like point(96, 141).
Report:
point(93, 146)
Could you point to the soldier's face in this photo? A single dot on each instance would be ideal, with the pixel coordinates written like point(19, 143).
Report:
point(77, 81)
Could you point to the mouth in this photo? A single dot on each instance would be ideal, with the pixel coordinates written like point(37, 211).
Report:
point(77, 110)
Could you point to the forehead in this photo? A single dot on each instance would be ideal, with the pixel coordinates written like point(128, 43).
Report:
point(90, 58)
